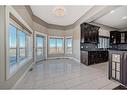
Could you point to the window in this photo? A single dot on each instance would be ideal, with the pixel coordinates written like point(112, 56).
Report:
point(52, 46)
point(69, 45)
point(40, 47)
point(17, 47)
point(103, 42)
point(56, 45)
point(12, 46)
point(60, 45)
point(22, 45)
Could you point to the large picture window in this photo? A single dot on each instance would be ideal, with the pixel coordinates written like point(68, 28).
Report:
point(68, 45)
point(12, 45)
point(52, 46)
point(56, 45)
point(22, 45)
point(60, 45)
point(17, 47)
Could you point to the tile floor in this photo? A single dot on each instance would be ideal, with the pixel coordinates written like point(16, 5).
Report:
point(67, 74)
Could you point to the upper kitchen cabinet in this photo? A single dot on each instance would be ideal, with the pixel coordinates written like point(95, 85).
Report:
point(89, 33)
point(117, 37)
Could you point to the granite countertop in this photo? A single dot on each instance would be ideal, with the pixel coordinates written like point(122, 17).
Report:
point(93, 49)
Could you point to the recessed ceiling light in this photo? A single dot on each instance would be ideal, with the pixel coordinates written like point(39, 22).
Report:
point(125, 17)
point(59, 11)
point(112, 11)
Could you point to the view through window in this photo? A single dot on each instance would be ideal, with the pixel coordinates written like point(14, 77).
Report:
point(12, 45)
point(22, 45)
point(40, 47)
point(56, 45)
point(69, 45)
point(17, 47)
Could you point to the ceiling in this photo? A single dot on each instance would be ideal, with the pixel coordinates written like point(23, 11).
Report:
point(116, 18)
point(72, 14)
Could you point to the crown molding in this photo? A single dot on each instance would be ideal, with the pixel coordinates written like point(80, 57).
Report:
point(29, 10)
point(39, 21)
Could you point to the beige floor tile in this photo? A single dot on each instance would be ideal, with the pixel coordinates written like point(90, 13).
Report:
point(67, 74)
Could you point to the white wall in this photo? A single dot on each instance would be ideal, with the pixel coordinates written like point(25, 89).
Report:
point(76, 42)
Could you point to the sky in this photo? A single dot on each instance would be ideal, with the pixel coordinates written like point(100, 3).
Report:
point(13, 38)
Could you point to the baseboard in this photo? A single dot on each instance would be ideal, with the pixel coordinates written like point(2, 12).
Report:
point(75, 59)
point(23, 75)
point(65, 57)
point(56, 57)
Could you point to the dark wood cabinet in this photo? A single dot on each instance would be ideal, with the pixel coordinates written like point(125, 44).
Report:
point(89, 33)
point(84, 57)
point(117, 37)
point(118, 66)
point(93, 57)
point(90, 54)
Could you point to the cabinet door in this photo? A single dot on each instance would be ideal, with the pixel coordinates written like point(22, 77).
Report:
point(113, 37)
point(82, 37)
point(125, 37)
point(84, 58)
point(122, 38)
point(124, 69)
point(115, 66)
point(118, 37)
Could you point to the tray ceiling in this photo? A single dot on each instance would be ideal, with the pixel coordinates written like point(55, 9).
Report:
point(71, 15)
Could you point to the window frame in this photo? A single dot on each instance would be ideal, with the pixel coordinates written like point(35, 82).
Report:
point(68, 37)
point(26, 44)
point(56, 37)
point(42, 50)
point(21, 63)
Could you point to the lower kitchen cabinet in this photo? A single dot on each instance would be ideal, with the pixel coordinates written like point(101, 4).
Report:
point(93, 57)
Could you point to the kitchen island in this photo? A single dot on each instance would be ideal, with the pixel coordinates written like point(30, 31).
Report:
point(118, 65)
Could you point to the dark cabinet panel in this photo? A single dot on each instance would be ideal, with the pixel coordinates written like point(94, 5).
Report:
point(117, 37)
point(82, 37)
point(126, 37)
point(124, 69)
point(84, 57)
point(93, 57)
point(89, 33)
